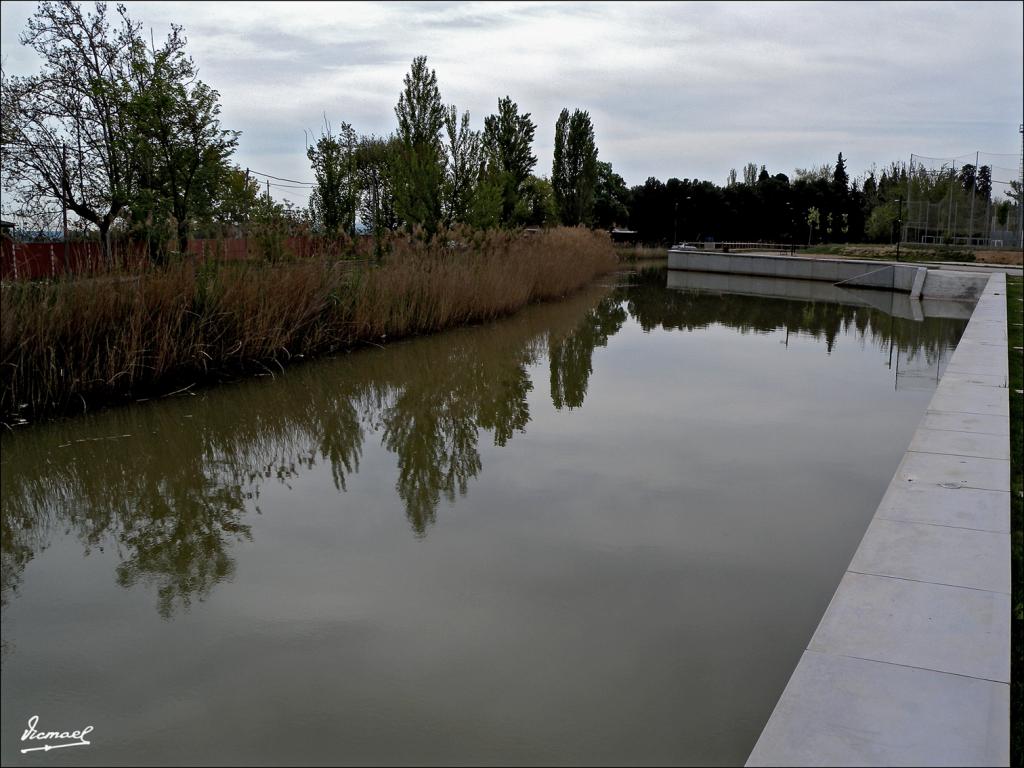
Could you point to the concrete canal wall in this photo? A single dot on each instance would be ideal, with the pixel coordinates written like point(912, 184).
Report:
point(910, 665)
point(891, 302)
point(913, 279)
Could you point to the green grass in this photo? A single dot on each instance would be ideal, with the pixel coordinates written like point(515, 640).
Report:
point(1015, 334)
point(912, 253)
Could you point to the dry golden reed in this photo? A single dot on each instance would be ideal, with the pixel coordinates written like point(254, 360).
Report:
point(70, 343)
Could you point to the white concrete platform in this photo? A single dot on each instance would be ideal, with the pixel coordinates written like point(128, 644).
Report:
point(910, 665)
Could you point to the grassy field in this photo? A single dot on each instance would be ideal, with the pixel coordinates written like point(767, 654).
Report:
point(70, 344)
point(1015, 333)
point(918, 253)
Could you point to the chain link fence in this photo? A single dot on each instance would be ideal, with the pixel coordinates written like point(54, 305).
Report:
point(971, 200)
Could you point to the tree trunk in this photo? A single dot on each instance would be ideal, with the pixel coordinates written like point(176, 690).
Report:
point(105, 252)
point(183, 236)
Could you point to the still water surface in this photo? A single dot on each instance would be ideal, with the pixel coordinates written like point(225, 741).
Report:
point(601, 531)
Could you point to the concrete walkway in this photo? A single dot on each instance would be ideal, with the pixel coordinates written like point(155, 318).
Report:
point(910, 664)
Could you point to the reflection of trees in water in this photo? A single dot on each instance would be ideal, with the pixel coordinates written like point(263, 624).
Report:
point(651, 305)
point(571, 358)
point(169, 485)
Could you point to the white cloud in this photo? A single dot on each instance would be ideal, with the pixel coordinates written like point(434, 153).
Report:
point(687, 89)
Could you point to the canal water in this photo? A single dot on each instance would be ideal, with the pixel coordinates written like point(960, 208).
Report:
point(600, 531)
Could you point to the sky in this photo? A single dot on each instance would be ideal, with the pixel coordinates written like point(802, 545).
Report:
point(689, 90)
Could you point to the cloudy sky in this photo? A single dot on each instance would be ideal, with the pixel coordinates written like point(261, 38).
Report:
point(674, 89)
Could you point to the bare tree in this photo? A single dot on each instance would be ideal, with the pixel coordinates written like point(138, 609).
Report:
point(68, 131)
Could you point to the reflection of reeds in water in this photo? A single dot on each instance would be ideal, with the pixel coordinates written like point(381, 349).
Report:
point(174, 507)
point(67, 342)
point(173, 493)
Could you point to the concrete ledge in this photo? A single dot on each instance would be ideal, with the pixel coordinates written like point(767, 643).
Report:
point(904, 278)
point(859, 712)
point(910, 664)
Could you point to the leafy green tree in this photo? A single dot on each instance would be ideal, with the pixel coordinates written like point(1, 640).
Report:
point(536, 206)
point(507, 142)
point(236, 198)
point(611, 198)
point(333, 202)
point(376, 159)
point(985, 182)
point(419, 165)
point(1002, 208)
point(967, 176)
point(183, 151)
point(1016, 192)
point(750, 174)
point(813, 220)
point(881, 222)
point(487, 204)
point(574, 170)
point(465, 156)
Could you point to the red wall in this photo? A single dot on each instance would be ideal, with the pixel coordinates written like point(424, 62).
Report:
point(23, 261)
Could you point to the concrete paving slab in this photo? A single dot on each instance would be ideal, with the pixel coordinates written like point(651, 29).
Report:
point(966, 422)
point(972, 398)
point(962, 507)
point(981, 358)
point(937, 554)
point(930, 626)
point(842, 711)
point(961, 444)
point(987, 380)
point(924, 607)
point(979, 364)
point(940, 470)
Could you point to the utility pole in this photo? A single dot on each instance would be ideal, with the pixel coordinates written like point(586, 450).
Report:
point(1020, 202)
point(974, 194)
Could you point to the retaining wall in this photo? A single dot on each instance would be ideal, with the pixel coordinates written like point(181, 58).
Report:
point(910, 665)
point(904, 278)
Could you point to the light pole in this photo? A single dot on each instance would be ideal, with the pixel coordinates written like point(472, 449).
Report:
point(899, 227)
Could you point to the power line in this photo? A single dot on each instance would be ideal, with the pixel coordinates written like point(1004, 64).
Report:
point(289, 186)
point(278, 178)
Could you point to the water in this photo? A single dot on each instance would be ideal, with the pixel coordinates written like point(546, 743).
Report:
point(601, 531)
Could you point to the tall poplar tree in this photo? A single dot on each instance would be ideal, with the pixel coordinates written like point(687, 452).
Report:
point(507, 141)
point(420, 162)
point(574, 168)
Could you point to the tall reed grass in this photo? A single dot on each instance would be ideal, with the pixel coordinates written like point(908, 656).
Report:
point(73, 343)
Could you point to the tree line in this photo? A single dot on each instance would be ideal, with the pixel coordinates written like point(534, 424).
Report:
point(123, 133)
point(819, 205)
point(436, 171)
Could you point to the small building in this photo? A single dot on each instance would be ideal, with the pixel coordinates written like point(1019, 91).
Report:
point(626, 236)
